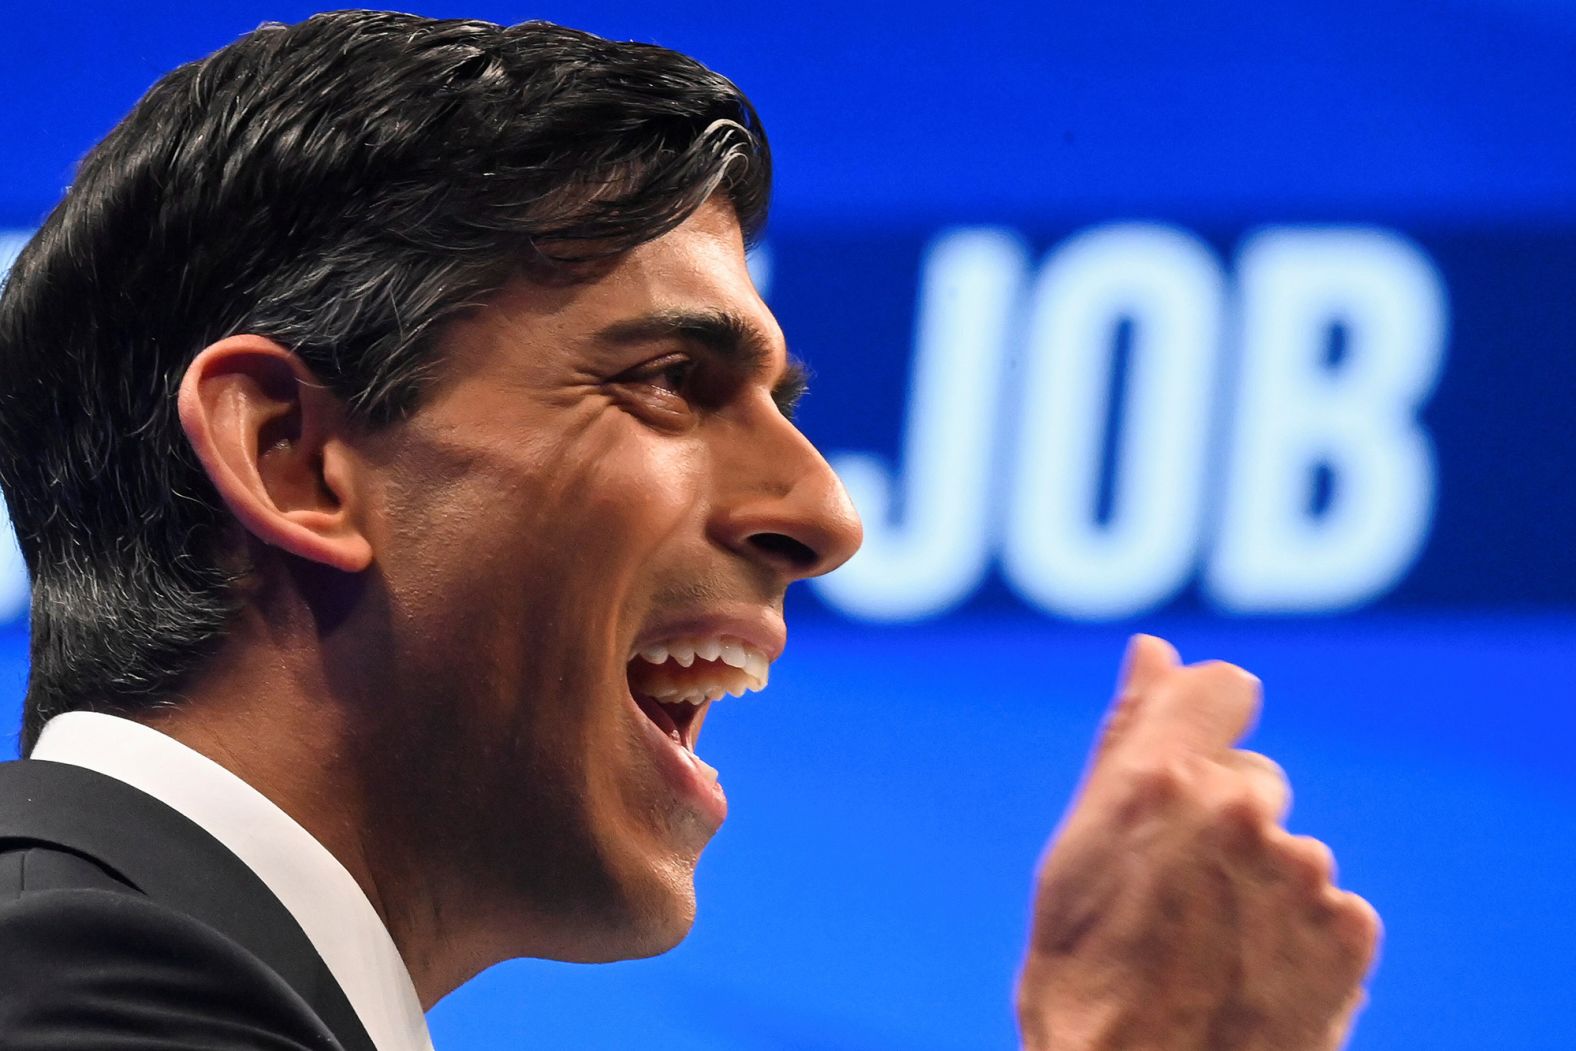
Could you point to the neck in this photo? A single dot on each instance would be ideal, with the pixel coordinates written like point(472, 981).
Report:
point(273, 717)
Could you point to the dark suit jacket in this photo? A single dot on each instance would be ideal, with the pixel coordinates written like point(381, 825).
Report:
point(123, 925)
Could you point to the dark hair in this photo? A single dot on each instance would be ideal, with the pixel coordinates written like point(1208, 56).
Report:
point(343, 186)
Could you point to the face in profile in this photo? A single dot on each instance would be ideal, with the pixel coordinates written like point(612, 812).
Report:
point(583, 540)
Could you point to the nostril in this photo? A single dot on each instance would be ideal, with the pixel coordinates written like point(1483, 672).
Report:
point(785, 548)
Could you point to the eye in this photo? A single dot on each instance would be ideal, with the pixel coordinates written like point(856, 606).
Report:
point(671, 374)
point(667, 392)
point(674, 376)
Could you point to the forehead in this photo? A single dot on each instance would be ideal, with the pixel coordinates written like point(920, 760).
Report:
point(699, 266)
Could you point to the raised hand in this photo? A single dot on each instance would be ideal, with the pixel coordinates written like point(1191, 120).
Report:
point(1173, 910)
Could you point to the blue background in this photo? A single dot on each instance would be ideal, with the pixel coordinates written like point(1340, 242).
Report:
point(892, 790)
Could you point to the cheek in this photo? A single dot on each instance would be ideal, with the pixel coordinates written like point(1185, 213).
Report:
point(519, 568)
point(613, 510)
point(571, 507)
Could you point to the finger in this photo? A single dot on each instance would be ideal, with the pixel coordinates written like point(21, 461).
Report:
point(1146, 661)
point(1305, 863)
point(1148, 658)
point(1360, 927)
point(1203, 709)
point(1350, 934)
point(1265, 780)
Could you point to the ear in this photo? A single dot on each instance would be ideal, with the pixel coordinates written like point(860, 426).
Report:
point(273, 441)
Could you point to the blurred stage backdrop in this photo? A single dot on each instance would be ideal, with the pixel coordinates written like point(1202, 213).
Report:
point(1248, 324)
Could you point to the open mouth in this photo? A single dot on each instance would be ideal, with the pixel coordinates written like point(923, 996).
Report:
point(675, 680)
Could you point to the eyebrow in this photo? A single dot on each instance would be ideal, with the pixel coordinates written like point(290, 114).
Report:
point(728, 337)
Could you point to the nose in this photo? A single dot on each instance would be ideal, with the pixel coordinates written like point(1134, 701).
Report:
point(782, 504)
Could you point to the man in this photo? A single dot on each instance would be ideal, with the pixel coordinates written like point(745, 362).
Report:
point(404, 462)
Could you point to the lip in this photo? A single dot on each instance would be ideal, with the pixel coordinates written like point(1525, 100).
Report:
point(762, 629)
point(678, 765)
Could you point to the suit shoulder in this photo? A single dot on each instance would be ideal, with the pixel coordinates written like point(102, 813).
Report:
point(29, 868)
point(94, 967)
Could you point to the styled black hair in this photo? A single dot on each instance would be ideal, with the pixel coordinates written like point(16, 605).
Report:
point(343, 186)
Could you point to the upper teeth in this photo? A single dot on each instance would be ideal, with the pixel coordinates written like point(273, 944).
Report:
point(731, 651)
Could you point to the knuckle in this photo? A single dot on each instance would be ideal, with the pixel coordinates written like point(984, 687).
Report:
point(1240, 814)
point(1224, 673)
point(1227, 684)
point(1157, 783)
point(1263, 764)
point(1311, 860)
point(1362, 921)
point(1265, 776)
point(1231, 682)
point(1353, 925)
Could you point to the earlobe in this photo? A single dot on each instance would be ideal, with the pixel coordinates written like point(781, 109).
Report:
point(272, 440)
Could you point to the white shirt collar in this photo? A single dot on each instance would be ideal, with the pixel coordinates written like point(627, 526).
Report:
point(322, 896)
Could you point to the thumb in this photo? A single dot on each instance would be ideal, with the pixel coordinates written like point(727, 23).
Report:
point(1146, 661)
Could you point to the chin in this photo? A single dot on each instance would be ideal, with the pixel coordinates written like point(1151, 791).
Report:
point(637, 934)
point(641, 889)
point(656, 920)
point(656, 941)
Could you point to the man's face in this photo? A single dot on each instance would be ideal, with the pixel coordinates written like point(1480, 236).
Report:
point(601, 470)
